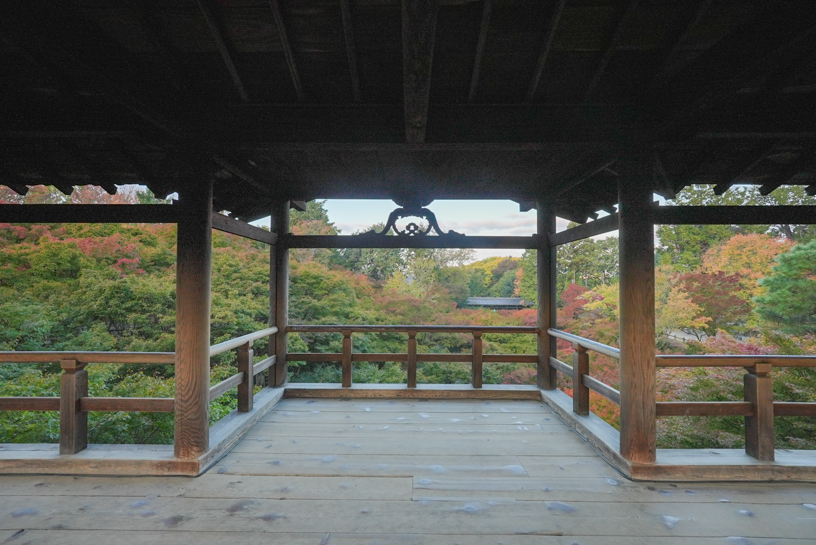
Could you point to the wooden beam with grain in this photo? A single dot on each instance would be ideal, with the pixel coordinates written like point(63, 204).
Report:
point(546, 293)
point(216, 29)
point(546, 49)
point(589, 229)
point(127, 404)
point(418, 35)
point(288, 52)
point(351, 52)
point(621, 25)
point(487, 9)
point(242, 229)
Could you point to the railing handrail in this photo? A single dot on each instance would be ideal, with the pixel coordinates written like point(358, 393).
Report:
point(606, 350)
point(14, 356)
point(725, 360)
point(411, 329)
point(243, 339)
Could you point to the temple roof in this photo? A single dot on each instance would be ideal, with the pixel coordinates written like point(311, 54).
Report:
point(302, 99)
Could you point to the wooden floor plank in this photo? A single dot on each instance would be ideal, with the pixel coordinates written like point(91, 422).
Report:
point(214, 485)
point(272, 430)
point(411, 405)
point(363, 516)
point(408, 417)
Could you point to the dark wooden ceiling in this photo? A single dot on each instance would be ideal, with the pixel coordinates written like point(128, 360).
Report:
point(304, 99)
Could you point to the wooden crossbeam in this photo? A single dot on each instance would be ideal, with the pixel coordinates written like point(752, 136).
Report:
point(418, 34)
point(752, 51)
point(242, 229)
point(217, 32)
point(611, 46)
point(283, 36)
point(589, 229)
point(357, 241)
point(487, 9)
point(546, 48)
point(240, 173)
point(348, 32)
point(742, 168)
point(90, 213)
point(575, 181)
point(734, 215)
point(679, 37)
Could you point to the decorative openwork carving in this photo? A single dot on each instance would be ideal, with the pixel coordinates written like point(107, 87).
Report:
point(413, 207)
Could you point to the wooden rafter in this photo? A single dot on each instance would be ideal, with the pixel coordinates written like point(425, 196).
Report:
point(665, 186)
point(575, 181)
point(546, 48)
point(227, 55)
point(788, 171)
point(611, 46)
point(487, 9)
point(754, 50)
point(287, 49)
point(679, 37)
point(348, 32)
point(418, 33)
point(241, 173)
point(91, 166)
point(742, 168)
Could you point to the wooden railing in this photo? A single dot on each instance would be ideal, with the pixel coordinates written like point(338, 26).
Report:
point(74, 404)
point(758, 407)
point(411, 357)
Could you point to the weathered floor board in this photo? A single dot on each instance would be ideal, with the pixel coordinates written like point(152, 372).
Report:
point(404, 472)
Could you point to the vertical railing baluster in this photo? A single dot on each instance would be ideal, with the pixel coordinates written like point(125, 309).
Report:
point(346, 359)
point(73, 421)
point(477, 359)
point(580, 393)
point(759, 428)
point(412, 359)
point(246, 390)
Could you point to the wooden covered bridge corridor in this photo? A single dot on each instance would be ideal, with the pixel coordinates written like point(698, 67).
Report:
point(404, 471)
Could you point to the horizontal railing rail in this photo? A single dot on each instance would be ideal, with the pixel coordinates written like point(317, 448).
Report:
point(477, 356)
point(74, 404)
point(758, 407)
point(582, 382)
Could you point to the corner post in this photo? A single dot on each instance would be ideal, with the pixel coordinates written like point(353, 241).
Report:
point(412, 359)
point(347, 349)
point(580, 393)
point(193, 286)
point(546, 376)
point(477, 359)
point(637, 311)
point(280, 221)
point(246, 390)
point(73, 420)
point(759, 428)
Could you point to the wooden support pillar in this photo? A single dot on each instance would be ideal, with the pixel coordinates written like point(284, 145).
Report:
point(412, 359)
point(193, 282)
point(637, 311)
point(580, 393)
point(759, 428)
point(346, 362)
point(73, 421)
point(477, 359)
point(246, 390)
point(272, 349)
point(280, 219)
point(546, 377)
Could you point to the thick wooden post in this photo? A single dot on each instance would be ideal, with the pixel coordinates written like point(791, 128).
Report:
point(346, 359)
point(280, 219)
point(246, 390)
point(271, 349)
point(546, 376)
point(580, 393)
point(412, 359)
point(637, 312)
point(759, 428)
point(193, 282)
point(73, 421)
point(477, 359)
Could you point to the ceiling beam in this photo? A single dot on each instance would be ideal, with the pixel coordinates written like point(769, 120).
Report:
point(283, 36)
point(227, 55)
point(348, 32)
point(679, 37)
point(574, 181)
point(546, 48)
point(418, 33)
point(235, 170)
point(487, 9)
point(754, 50)
point(788, 171)
point(621, 25)
point(742, 168)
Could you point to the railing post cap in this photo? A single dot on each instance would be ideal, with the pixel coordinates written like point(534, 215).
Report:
point(761, 368)
point(72, 365)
